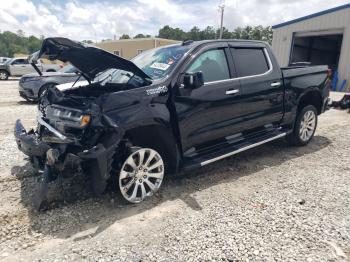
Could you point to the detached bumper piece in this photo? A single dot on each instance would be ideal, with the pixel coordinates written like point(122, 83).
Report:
point(28, 142)
point(55, 159)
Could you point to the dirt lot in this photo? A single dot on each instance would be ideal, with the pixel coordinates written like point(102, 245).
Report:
point(272, 203)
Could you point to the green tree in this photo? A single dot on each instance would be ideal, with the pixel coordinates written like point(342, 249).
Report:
point(12, 43)
point(225, 33)
point(207, 33)
point(237, 33)
point(168, 32)
point(124, 36)
point(248, 32)
point(139, 36)
point(194, 34)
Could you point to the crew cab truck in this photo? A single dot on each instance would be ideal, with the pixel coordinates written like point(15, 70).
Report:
point(19, 66)
point(172, 108)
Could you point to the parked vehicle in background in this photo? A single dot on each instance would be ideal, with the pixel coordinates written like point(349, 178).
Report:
point(19, 66)
point(32, 86)
point(4, 59)
point(172, 108)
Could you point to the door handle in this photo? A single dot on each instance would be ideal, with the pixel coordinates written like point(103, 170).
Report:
point(232, 91)
point(275, 84)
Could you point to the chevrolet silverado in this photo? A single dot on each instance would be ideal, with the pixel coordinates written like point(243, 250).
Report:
point(169, 109)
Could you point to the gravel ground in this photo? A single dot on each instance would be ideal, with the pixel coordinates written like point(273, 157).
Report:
point(272, 203)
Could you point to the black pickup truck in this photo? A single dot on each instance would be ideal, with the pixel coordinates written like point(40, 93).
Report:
point(169, 109)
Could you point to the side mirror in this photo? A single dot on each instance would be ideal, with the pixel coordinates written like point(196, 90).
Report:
point(193, 80)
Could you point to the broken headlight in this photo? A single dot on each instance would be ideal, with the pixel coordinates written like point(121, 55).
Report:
point(60, 117)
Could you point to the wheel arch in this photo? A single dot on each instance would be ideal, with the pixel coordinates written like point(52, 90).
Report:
point(313, 97)
point(3, 69)
point(45, 85)
point(157, 135)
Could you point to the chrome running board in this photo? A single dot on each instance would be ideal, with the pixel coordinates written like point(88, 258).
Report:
point(242, 149)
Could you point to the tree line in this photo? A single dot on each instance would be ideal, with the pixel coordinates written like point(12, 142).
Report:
point(249, 32)
point(14, 43)
point(17, 43)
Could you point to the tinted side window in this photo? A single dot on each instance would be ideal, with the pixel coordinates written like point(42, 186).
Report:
point(20, 62)
point(213, 64)
point(249, 61)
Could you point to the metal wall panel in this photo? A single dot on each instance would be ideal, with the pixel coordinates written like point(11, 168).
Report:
point(339, 20)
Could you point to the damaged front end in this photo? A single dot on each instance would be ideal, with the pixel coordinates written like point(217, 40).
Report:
point(73, 135)
point(74, 132)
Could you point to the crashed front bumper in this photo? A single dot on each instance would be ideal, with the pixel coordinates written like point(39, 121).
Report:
point(28, 142)
point(55, 154)
point(56, 158)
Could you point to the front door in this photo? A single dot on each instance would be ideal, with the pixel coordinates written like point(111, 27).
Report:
point(19, 67)
point(212, 111)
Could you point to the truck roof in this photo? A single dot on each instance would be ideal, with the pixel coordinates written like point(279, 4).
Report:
point(201, 42)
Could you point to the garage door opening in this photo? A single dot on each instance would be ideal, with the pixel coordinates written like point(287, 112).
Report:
point(317, 50)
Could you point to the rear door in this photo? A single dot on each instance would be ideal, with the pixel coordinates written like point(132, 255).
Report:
point(261, 85)
point(211, 112)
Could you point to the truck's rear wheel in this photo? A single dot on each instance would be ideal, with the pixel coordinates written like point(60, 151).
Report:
point(141, 174)
point(305, 126)
point(4, 75)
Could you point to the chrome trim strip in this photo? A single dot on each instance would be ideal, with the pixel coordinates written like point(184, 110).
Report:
point(242, 149)
point(247, 77)
point(50, 128)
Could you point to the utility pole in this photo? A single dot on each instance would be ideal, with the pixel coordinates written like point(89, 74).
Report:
point(221, 9)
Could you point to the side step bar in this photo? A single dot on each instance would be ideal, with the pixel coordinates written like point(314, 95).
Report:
point(242, 149)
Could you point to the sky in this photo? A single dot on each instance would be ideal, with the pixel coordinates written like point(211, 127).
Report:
point(104, 19)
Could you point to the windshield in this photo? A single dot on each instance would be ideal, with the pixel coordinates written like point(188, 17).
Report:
point(113, 75)
point(8, 61)
point(157, 63)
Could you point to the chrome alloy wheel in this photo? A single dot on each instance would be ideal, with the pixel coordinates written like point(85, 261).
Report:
point(307, 125)
point(141, 175)
point(3, 75)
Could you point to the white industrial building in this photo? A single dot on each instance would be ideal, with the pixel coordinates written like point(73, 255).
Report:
point(320, 38)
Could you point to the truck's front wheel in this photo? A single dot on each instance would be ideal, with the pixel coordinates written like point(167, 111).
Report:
point(141, 174)
point(305, 126)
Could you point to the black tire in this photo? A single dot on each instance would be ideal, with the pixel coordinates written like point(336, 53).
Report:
point(296, 138)
point(4, 75)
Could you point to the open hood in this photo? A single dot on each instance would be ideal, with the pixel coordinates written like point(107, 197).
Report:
point(88, 59)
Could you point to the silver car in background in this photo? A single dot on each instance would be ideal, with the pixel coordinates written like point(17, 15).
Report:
point(31, 86)
point(19, 66)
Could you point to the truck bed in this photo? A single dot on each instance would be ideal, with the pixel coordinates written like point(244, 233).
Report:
point(289, 72)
